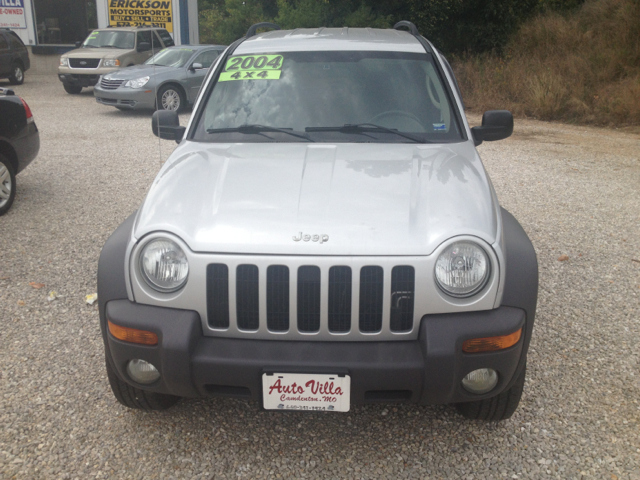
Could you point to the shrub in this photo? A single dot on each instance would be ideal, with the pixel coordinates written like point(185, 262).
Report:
point(579, 67)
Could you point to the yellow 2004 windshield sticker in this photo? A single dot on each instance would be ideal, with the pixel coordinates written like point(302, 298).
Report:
point(252, 67)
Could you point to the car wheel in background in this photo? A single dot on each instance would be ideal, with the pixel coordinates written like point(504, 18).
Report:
point(17, 74)
point(7, 184)
point(72, 89)
point(496, 408)
point(171, 98)
point(133, 397)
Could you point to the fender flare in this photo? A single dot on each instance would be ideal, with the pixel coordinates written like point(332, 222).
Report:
point(112, 281)
point(521, 277)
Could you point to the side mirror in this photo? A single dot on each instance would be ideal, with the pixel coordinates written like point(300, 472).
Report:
point(166, 124)
point(144, 47)
point(496, 125)
point(78, 44)
point(196, 66)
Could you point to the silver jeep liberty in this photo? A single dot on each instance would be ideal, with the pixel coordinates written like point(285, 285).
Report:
point(324, 235)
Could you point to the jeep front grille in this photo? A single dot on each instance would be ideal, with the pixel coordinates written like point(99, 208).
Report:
point(402, 292)
point(247, 306)
point(218, 293)
point(339, 299)
point(295, 299)
point(110, 84)
point(371, 299)
point(84, 62)
point(308, 299)
point(278, 298)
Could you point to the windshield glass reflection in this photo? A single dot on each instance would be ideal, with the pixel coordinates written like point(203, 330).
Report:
point(304, 91)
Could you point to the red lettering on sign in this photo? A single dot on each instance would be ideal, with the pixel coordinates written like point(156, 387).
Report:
point(294, 388)
point(325, 388)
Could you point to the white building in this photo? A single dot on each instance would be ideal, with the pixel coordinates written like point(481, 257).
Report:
point(52, 27)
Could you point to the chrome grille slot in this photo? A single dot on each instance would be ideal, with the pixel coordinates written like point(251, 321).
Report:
point(218, 295)
point(247, 297)
point(402, 298)
point(371, 289)
point(110, 84)
point(308, 299)
point(278, 298)
point(340, 299)
point(84, 62)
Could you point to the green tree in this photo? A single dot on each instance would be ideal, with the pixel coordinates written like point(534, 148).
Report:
point(226, 21)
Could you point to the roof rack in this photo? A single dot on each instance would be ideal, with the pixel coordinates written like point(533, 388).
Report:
point(253, 28)
point(405, 23)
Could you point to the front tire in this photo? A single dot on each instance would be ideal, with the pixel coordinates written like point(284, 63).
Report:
point(72, 89)
point(137, 398)
point(17, 74)
point(7, 184)
point(171, 98)
point(497, 408)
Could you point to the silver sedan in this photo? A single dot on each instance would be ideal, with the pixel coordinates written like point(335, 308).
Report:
point(170, 80)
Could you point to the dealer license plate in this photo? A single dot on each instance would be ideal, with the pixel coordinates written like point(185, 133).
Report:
point(306, 391)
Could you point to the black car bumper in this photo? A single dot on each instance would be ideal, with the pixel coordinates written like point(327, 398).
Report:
point(76, 80)
point(427, 371)
point(26, 146)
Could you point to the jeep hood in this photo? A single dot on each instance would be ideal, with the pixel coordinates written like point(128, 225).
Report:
point(368, 199)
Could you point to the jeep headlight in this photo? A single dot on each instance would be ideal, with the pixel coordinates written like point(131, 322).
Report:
point(136, 82)
point(64, 61)
point(113, 62)
point(164, 265)
point(462, 269)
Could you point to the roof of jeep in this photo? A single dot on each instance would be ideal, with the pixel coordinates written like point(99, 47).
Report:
point(318, 39)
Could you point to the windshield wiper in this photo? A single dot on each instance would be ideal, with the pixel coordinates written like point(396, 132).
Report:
point(256, 128)
point(361, 128)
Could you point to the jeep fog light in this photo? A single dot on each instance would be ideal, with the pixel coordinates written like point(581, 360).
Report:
point(462, 269)
point(164, 265)
point(142, 372)
point(480, 381)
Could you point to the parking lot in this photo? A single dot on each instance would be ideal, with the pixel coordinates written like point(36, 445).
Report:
point(575, 190)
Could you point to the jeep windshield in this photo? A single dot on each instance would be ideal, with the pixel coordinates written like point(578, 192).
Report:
point(110, 39)
point(171, 57)
point(372, 97)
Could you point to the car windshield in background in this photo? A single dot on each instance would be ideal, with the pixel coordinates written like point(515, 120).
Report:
point(171, 57)
point(329, 97)
point(113, 39)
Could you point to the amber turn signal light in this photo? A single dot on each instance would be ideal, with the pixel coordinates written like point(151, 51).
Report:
point(491, 344)
point(132, 335)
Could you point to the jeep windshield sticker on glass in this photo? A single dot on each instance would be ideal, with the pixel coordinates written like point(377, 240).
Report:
point(252, 67)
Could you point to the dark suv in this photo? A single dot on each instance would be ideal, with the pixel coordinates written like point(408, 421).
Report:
point(19, 143)
point(14, 57)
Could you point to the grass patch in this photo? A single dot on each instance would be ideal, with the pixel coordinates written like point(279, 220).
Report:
point(582, 67)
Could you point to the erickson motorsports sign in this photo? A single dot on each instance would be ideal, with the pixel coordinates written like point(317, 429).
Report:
point(138, 13)
point(12, 14)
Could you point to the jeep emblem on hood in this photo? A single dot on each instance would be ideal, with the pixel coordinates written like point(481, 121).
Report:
point(305, 237)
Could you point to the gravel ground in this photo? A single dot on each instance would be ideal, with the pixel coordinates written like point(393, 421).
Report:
point(576, 191)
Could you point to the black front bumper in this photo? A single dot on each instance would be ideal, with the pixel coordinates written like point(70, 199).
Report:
point(78, 80)
point(428, 370)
